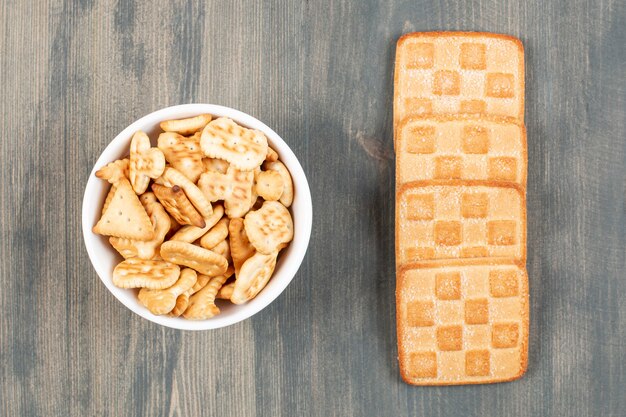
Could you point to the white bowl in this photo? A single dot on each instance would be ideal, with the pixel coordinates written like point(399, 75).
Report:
point(104, 257)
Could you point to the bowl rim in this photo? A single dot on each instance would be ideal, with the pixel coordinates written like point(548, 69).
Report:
point(302, 227)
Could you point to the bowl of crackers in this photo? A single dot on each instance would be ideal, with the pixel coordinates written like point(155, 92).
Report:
point(197, 216)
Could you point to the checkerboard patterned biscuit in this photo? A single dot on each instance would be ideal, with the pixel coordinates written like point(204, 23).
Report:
point(460, 219)
point(459, 72)
point(462, 323)
point(461, 166)
point(461, 147)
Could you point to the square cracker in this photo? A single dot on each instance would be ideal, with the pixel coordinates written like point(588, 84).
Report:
point(458, 72)
point(464, 147)
point(460, 219)
point(462, 322)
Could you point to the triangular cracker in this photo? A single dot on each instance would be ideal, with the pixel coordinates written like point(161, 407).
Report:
point(124, 215)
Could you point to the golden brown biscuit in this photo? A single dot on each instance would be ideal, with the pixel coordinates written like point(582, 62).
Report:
point(269, 227)
point(142, 273)
point(164, 300)
point(462, 322)
point(114, 171)
point(145, 162)
point(245, 149)
point(178, 205)
point(172, 177)
point(183, 153)
point(124, 217)
point(465, 147)
point(458, 72)
point(460, 219)
point(240, 246)
point(186, 126)
point(234, 187)
point(254, 275)
point(202, 260)
point(145, 249)
point(190, 234)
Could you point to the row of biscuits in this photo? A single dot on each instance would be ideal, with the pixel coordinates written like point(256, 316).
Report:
point(460, 141)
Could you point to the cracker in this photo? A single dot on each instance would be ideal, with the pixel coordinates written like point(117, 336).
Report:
point(269, 227)
point(253, 276)
point(125, 217)
point(174, 227)
point(202, 281)
point(271, 156)
point(130, 248)
point(145, 162)
point(269, 185)
point(234, 187)
point(178, 205)
point(462, 322)
point(163, 301)
point(202, 304)
point(173, 177)
point(217, 234)
point(142, 273)
point(182, 302)
point(458, 72)
point(114, 171)
point(460, 219)
point(223, 249)
point(286, 198)
point(215, 165)
point(202, 260)
point(468, 147)
point(108, 199)
point(245, 149)
point(186, 126)
point(240, 246)
point(226, 291)
point(190, 234)
point(183, 153)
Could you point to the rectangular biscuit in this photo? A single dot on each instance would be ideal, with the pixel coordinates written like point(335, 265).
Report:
point(462, 322)
point(460, 219)
point(461, 147)
point(458, 72)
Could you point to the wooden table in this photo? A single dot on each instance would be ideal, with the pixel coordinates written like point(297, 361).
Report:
point(73, 74)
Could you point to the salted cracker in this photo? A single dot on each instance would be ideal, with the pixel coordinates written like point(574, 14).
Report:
point(164, 300)
point(269, 185)
point(269, 228)
point(145, 162)
point(186, 126)
point(254, 275)
point(217, 234)
point(202, 304)
point(183, 153)
point(143, 273)
point(202, 260)
point(178, 205)
point(114, 171)
point(125, 217)
point(286, 198)
point(244, 149)
point(173, 177)
point(240, 247)
point(190, 233)
point(145, 249)
point(234, 187)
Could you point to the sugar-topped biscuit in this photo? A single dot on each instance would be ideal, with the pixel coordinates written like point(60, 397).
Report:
point(462, 322)
point(459, 72)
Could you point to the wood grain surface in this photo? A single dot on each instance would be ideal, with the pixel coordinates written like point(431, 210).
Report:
point(73, 74)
